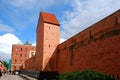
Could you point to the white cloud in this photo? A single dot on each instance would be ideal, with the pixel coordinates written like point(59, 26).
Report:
point(30, 4)
point(35, 4)
point(62, 40)
point(86, 13)
point(5, 28)
point(6, 42)
point(34, 44)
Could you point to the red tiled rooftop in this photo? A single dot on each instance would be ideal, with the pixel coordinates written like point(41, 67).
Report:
point(49, 18)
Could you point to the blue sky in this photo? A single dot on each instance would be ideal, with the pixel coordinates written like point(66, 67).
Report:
point(19, 18)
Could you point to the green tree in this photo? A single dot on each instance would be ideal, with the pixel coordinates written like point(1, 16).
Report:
point(5, 64)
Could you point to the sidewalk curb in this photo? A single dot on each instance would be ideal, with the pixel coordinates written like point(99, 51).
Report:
point(27, 77)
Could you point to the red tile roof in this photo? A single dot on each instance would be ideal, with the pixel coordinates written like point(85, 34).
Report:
point(49, 18)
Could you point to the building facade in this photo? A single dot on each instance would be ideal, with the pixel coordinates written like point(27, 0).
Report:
point(48, 38)
point(96, 47)
point(21, 53)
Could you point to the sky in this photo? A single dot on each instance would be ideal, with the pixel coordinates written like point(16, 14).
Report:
point(19, 18)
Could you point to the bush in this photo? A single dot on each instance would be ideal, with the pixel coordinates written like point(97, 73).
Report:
point(84, 75)
point(69, 76)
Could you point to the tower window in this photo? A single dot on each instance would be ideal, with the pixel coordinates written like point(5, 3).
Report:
point(49, 46)
point(49, 27)
point(15, 54)
point(21, 49)
point(15, 67)
point(16, 49)
point(32, 54)
point(25, 49)
point(20, 55)
point(15, 60)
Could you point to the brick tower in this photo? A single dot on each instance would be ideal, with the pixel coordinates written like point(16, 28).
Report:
point(48, 37)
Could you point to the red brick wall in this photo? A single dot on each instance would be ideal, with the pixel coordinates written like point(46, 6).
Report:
point(39, 44)
point(51, 41)
point(20, 53)
point(29, 64)
point(97, 47)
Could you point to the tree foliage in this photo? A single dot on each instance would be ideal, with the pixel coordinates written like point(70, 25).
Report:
point(5, 64)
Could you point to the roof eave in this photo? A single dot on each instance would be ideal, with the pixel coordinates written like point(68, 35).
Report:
point(51, 23)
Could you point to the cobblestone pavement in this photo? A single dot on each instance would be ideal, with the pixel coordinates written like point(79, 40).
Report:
point(12, 77)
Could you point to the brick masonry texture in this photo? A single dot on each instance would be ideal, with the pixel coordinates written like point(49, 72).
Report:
point(20, 53)
point(97, 48)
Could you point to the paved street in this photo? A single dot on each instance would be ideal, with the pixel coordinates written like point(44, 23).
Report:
point(12, 77)
point(15, 77)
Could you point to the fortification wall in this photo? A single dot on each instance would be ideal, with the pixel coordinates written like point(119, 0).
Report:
point(96, 48)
